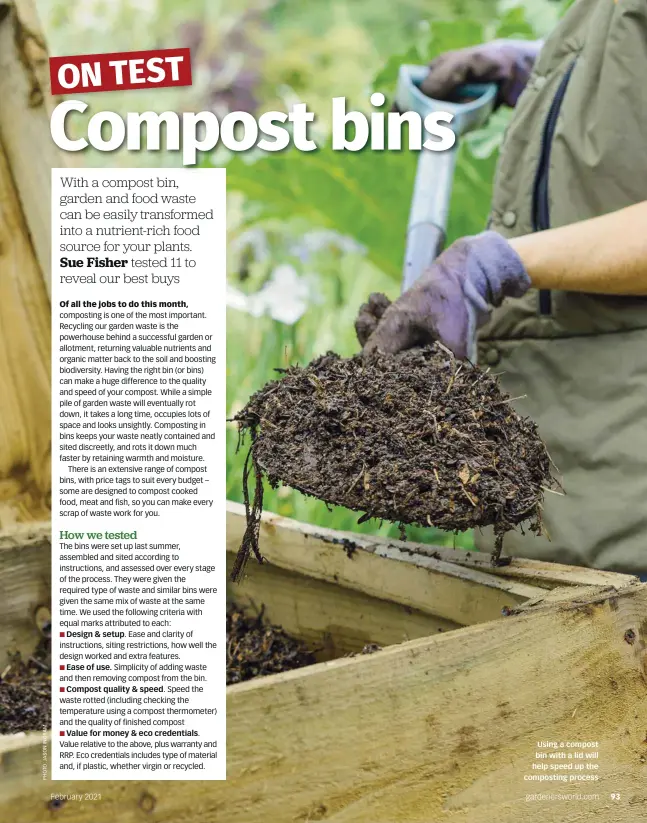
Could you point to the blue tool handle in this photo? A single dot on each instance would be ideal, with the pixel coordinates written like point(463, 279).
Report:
point(473, 104)
point(435, 173)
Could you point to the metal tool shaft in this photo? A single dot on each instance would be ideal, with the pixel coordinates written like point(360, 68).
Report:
point(429, 210)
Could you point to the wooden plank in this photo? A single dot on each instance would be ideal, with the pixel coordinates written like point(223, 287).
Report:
point(334, 621)
point(27, 535)
point(25, 346)
point(437, 729)
point(25, 105)
point(533, 572)
point(25, 587)
point(34, 49)
point(460, 595)
point(447, 728)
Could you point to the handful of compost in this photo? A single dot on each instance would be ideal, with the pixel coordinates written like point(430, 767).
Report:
point(415, 438)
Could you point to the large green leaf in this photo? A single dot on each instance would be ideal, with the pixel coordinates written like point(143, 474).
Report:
point(441, 36)
point(514, 24)
point(364, 195)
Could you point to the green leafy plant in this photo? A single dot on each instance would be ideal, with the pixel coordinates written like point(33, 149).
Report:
point(366, 196)
point(273, 51)
point(353, 193)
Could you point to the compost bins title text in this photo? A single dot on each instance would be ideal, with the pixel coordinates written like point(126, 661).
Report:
point(240, 131)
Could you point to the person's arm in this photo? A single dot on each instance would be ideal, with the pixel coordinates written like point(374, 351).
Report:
point(603, 255)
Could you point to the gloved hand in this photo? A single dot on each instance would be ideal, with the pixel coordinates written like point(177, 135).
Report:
point(506, 62)
point(450, 301)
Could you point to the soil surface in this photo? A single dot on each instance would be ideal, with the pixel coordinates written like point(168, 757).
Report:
point(256, 648)
point(414, 438)
point(25, 692)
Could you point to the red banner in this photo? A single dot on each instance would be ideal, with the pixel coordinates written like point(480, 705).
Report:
point(83, 73)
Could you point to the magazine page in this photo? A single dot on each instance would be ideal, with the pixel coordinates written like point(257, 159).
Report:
point(322, 403)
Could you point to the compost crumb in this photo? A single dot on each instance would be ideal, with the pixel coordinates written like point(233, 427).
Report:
point(371, 648)
point(256, 648)
point(414, 438)
point(25, 691)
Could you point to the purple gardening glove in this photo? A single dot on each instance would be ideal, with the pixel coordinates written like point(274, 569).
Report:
point(506, 62)
point(449, 302)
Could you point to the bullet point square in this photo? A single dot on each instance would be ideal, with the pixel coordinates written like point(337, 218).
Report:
point(62, 688)
point(62, 668)
point(62, 734)
point(62, 634)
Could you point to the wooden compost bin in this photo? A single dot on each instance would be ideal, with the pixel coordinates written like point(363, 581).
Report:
point(441, 725)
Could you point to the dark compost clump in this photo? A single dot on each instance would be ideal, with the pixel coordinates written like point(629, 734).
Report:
point(25, 692)
point(415, 438)
point(256, 648)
